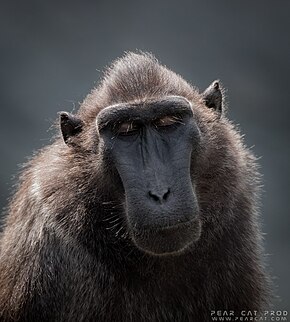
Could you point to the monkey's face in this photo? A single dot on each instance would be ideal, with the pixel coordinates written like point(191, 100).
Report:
point(152, 147)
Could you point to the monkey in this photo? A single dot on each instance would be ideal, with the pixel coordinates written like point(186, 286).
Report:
point(145, 207)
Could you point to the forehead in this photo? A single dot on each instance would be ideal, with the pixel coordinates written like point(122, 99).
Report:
point(144, 111)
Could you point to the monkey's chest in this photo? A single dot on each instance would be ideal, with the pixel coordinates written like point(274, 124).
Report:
point(148, 304)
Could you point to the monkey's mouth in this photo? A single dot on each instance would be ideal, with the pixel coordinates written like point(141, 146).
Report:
point(167, 240)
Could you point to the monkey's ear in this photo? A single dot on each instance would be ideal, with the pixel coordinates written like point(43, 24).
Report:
point(70, 125)
point(213, 97)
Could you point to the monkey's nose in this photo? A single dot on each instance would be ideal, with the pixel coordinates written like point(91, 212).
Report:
point(159, 196)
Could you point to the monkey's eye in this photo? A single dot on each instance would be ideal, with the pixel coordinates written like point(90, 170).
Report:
point(168, 121)
point(127, 128)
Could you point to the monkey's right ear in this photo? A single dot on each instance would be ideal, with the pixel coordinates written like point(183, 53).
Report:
point(70, 125)
point(213, 97)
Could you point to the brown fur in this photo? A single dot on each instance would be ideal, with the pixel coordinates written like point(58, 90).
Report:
point(62, 260)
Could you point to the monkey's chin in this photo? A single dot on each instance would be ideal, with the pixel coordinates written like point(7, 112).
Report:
point(167, 241)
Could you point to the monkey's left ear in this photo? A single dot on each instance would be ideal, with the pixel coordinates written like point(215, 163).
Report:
point(213, 97)
point(70, 125)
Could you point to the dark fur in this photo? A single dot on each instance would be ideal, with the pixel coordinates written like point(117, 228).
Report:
point(65, 251)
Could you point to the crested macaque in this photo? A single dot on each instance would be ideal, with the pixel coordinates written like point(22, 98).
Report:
point(144, 208)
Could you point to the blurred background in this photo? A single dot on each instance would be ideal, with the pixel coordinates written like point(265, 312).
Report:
point(52, 53)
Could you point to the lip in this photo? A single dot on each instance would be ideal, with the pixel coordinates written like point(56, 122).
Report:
point(167, 240)
point(158, 227)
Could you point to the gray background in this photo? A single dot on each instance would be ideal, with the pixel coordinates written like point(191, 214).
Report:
point(52, 53)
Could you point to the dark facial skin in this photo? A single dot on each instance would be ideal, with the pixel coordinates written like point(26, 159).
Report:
point(152, 147)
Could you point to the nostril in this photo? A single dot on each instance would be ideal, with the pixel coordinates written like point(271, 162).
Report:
point(166, 195)
point(153, 196)
point(159, 196)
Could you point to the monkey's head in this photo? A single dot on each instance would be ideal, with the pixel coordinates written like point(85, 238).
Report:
point(148, 130)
